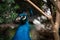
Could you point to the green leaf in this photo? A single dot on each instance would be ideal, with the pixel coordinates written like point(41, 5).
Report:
point(1, 20)
point(16, 7)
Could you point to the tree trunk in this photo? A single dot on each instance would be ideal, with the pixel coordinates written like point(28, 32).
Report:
point(56, 27)
point(56, 3)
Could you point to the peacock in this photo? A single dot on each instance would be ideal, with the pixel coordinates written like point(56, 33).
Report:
point(22, 32)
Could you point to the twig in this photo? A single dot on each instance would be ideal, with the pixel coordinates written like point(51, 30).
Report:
point(49, 17)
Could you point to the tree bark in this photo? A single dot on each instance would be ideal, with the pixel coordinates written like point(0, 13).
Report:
point(57, 20)
point(56, 4)
point(56, 27)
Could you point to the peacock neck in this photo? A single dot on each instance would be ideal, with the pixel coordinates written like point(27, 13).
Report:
point(23, 23)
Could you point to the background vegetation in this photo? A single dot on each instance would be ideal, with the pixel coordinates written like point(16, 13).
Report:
point(9, 10)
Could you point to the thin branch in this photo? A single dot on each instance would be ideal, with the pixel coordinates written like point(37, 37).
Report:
point(49, 17)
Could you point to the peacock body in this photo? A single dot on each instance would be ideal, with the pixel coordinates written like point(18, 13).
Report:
point(23, 30)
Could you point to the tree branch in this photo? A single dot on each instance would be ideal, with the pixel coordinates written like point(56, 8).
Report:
point(56, 5)
point(56, 27)
point(48, 16)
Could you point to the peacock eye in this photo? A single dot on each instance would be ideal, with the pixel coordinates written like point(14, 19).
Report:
point(24, 17)
point(21, 16)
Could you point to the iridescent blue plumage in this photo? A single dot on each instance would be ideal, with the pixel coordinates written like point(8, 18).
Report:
point(31, 12)
point(23, 30)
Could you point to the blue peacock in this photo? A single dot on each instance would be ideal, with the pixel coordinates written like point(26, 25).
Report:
point(22, 32)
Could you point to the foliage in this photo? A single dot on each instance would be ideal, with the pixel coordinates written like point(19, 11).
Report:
point(1, 20)
point(8, 11)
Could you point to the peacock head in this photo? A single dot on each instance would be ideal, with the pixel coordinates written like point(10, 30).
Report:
point(22, 17)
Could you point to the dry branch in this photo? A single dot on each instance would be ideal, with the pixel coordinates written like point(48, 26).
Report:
point(49, 17)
